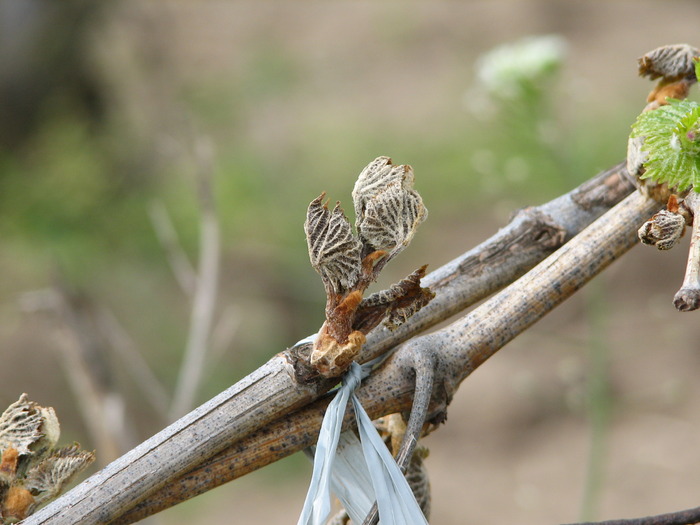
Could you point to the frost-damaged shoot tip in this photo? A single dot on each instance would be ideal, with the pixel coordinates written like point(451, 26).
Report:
point(388, 212)
point(32, 470)
point(666, 227)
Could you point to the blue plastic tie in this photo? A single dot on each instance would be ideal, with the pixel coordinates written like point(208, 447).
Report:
point(357, 484)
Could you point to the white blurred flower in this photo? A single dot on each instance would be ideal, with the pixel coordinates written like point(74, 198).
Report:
point(506, 70)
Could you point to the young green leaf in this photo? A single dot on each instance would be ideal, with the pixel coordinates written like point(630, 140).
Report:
point(672, 144)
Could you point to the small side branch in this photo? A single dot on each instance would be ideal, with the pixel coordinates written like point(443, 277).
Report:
point(688, 297)
point(140, 371)
point(204, 300)
point(179, 263)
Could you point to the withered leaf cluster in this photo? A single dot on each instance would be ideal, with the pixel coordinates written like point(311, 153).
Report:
point(665, 228)
point(32, 470)
point(387, 213)
point(671, 62)
point(387, 208)
point(674, 67)
point(333, 248)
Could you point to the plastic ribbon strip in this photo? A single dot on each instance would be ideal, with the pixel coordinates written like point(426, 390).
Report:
point(356, 483)
point(350, 479)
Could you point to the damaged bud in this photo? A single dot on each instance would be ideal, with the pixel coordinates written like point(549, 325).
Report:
point(665, 228)
point(32, 472)
point(333, 249)
point(50, 475)
point(394, 305)
point(388, 212)
point(671, 62)
point(332, 358)
point(675, 67)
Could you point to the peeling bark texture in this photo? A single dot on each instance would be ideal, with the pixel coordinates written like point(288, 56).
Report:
point(271, 393)
point(604, 190)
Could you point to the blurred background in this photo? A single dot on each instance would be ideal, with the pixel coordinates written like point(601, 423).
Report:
point(156, 162)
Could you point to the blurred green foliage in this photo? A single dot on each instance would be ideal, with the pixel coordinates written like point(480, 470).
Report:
point(66, 199)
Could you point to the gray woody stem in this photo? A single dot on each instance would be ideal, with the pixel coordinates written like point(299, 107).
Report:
point(271, 391)
point(688, 297)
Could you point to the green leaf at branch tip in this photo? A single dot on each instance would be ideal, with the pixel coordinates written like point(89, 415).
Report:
point(697, 67)
point(672, 144)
